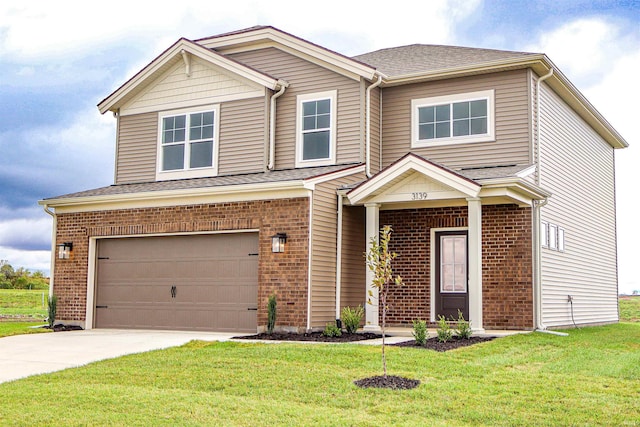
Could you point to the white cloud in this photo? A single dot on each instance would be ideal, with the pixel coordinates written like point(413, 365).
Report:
point(31, 260)
point(26, 233)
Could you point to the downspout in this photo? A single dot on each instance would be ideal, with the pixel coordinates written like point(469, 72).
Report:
point(537, 275)
point(272, 125)
point(368, 118)
point(339, 256)
point(53, 246)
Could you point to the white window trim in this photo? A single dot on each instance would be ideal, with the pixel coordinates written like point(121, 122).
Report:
point(544, 234)
point(489, 95)
point(332, 96)
point(196, 172)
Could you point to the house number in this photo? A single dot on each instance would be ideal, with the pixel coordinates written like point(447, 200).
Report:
point(421, 195)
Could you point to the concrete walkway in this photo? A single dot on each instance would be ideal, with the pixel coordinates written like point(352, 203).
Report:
point(25, 355)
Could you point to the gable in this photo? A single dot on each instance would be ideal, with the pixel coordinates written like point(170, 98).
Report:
point(205, 83)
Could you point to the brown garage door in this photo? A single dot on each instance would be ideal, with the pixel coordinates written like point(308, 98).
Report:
point(198, 282)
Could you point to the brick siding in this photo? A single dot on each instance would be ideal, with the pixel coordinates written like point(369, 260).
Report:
point(284, 274)
point(506, 256)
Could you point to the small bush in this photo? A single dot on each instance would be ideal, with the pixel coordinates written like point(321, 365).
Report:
point(52, 307)
point(463, 328)
point(271, 314)
point(444, 330)
point(331, 330)
point(420, 331)
point(351, 318)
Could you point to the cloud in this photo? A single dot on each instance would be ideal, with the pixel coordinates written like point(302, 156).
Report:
point(26, 234)
point(32, 260)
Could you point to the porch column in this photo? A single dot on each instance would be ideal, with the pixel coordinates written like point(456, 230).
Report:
point(475, 263)
point(373, 232)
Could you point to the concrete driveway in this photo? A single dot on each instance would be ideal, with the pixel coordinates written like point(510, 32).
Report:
point(25, 355)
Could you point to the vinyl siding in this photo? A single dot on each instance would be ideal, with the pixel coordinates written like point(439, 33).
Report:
point(577, 166)
point(376, 97)
point(136, 152)
point(323, 253)
point(354, 245)
point(207, 84)
point(243, 136)
point(511, 121)
point(305, 77)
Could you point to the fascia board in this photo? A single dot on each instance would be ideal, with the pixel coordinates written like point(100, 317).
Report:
point(173, 194)
point(194, 49)
point(310, 183)
point(516, 184)
point(311, 51)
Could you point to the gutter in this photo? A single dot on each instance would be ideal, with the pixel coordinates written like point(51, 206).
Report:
point(54, 230)
point(368, 138)
point(272, 124)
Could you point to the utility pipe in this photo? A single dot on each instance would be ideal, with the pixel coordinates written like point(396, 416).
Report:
point(53, 246)
point(368, 138)
point(272, 125)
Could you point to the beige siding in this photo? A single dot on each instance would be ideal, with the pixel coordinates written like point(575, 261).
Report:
point(511, 113)
point(304, 77)
point(136, 155)
point(323, 252)
point(354, 245)
point(577, 166)
point(375, 129)
point(242, 136)
point(206, 84)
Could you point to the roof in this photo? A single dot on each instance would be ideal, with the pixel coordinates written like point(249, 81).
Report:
point(422, 58)
point(212, 182)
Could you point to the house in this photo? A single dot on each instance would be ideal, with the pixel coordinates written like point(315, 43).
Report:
point(255, 163)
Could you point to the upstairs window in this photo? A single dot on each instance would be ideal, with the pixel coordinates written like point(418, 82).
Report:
point(316, 129)
point(461, 118)
point(187, 144)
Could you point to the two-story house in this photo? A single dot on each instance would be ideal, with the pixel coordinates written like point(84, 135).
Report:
point(255, 163)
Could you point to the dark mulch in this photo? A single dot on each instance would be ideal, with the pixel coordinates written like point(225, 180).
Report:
point(61, 328)
point(390, 381)
point(311, 336)
point(455, 342)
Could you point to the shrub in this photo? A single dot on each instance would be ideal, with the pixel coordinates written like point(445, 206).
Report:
point(420, 331)
point(351, 318)
point(463, 328)
point(444, 330)
point(52, 306)
point(331, 330)
point(271, 314)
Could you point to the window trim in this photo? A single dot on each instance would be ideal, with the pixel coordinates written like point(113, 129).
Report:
point(207, 171)
point(332, 96)
point(489, 95)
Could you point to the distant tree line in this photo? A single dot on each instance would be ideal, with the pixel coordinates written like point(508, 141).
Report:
point(21, 278)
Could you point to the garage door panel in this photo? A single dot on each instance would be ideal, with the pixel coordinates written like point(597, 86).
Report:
point(215, 279)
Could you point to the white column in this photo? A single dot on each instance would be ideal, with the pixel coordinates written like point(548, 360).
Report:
point(373, 232)
point(475, 263)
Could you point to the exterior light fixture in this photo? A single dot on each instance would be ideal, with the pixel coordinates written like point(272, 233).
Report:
point(64, 250)
point(277, 242)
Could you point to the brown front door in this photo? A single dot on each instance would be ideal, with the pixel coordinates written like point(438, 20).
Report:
point(452, 262)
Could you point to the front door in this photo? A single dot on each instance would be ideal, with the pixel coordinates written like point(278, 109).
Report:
point(452, 262)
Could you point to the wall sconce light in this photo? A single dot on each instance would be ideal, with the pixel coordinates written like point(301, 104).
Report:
point(64, 250)
point(277, 242)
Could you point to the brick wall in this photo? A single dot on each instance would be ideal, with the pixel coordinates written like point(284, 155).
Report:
point(284, 274)
point(506, 256)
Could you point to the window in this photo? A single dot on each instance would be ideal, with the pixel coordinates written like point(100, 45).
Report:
point(453, 264)
point(316, 129)
point(461, 118)
point(187, 143)
point(551, 236)
point(544, 234)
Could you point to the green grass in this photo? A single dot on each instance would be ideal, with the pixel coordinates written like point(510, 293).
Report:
point(630, 309)
point(23, 303)
point(591, 377)
point(19, 328)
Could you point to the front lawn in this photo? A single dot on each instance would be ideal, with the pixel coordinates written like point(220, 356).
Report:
point(591, 377)
point(19, 328)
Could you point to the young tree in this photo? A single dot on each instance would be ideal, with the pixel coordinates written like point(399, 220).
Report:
point(379, 262)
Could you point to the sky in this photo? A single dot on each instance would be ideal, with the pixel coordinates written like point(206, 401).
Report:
point(59, 59)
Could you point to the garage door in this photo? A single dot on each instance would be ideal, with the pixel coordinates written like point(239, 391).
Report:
point(199, 282)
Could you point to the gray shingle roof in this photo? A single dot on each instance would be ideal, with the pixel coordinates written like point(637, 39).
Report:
point(218, 181)
point(424, 58)
point(492, 172)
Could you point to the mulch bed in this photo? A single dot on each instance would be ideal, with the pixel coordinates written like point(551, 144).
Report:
point(310, 336)
point(455, 342)
point(62, 328)
point(390, 381)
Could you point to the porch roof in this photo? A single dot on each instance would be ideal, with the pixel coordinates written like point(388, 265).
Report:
point(415, 181)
